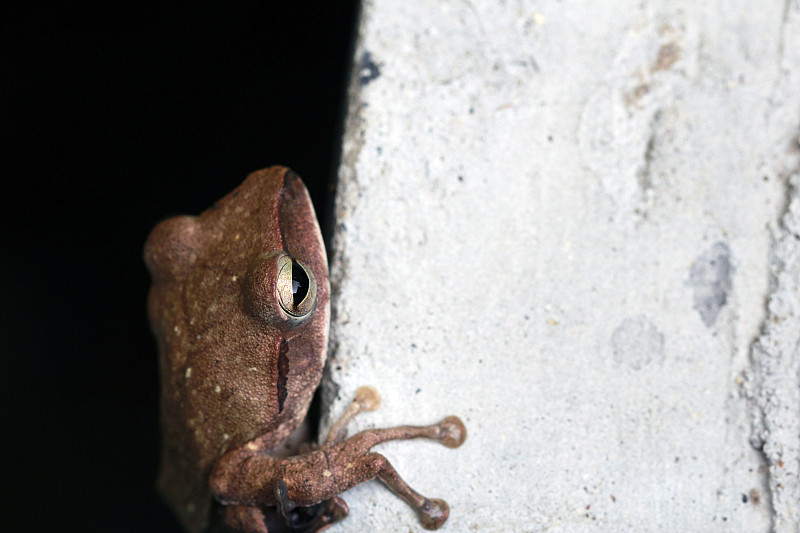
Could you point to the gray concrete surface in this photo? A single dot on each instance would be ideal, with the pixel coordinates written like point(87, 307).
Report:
point(572, 225)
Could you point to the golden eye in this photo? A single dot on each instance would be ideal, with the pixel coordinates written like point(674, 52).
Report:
point(297, 291)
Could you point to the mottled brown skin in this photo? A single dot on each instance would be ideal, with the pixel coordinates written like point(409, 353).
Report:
point(238, 372)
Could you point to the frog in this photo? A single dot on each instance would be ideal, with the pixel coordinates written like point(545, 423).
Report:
point(240, 308)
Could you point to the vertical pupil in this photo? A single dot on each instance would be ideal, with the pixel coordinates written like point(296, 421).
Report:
point(299, 283)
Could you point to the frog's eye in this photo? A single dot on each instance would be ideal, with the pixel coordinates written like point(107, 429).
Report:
point(297, 291)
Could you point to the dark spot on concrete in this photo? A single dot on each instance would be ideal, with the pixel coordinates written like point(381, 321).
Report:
point(643, 177)
point(636, 343)
point(368, 70)
point(632, 97)
point(710, 275)
point(668, 54)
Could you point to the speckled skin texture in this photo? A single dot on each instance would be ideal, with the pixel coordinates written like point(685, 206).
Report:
point(220, 331)
point(239, 369)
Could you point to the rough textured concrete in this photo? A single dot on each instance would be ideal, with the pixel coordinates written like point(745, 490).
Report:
point(774, 380)
point(572, 226)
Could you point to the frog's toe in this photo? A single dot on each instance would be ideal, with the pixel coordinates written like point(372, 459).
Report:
point(368, 398)
point(433, 513)
point(453, 432)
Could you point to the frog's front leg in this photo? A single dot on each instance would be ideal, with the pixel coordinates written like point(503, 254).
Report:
point(248, 477)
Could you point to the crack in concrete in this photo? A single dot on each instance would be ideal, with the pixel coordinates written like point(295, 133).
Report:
point(348, 190)
point(643, 176)
point(773, 381)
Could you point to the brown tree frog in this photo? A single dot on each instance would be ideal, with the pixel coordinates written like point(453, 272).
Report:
point(239, 307)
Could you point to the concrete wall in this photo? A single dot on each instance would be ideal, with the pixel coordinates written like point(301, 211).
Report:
point(572, 224)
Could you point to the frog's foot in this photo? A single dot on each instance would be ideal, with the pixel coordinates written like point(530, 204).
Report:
point(247, 475)
point(450, 431)
point(352, 460)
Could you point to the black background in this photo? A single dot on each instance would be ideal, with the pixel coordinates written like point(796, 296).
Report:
point(119, 117)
